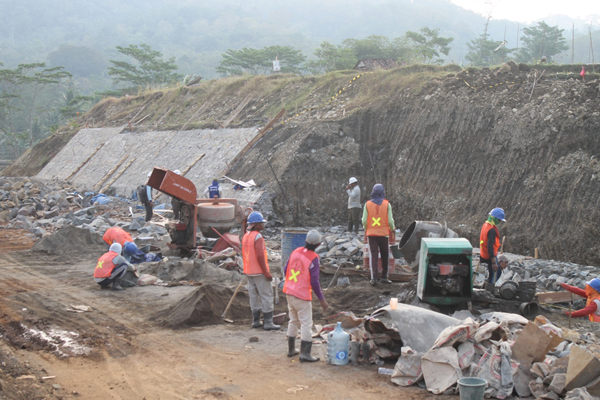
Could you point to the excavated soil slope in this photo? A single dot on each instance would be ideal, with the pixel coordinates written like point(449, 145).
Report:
point(451, 152)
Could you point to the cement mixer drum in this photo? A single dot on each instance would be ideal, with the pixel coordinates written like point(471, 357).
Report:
point(220, 216)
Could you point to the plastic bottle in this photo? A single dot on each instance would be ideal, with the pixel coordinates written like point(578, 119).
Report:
point(338, 346)
point(386, 371)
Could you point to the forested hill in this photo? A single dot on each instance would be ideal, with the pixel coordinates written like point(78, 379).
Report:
point(198, 32)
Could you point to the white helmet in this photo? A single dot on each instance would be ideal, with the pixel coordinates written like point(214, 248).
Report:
point(352, 180)
point(177, 172)
point(313, 237)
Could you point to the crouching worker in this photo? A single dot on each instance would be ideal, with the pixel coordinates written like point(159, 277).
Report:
point(302, 275)
point(256, 268)
point(592, 293)
point(118, 235)
point(111, 267)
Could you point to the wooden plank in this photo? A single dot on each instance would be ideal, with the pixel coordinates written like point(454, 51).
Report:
point(259, 135)
point(557, 297)
point(185, 171)
point(583, 368)
point(112, 171)
point(113, 180)
point(238, 110)
point(85, 162)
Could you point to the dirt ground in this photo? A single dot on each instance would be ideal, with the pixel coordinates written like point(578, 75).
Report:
point(117, 352)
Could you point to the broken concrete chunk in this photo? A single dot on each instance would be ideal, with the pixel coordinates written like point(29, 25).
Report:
point(540, 370)
point(537, 389)
point(579, 394)
point(549, 396)
point(583, 368)
point(558, 383)
point(521, 380)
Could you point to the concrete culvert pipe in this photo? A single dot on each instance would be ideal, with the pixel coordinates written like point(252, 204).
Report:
point(410, 244)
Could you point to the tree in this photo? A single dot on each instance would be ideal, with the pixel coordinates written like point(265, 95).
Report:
point(150, 70)
point(484, 52)
point(542, 40)
point(332, 58)
point(428, 44)
point(378, 47)
point(260, 61)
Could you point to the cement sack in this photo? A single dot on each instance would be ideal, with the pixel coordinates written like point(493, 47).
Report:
point(407, 370)
point(492, 331)
point(509, 318)
point(496, 367)
point(146, 280)
point(440, 369)
point(456, 333)
point(466, 353)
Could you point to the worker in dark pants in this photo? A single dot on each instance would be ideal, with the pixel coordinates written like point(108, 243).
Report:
point(353, 205)
point(378, 221)
point(111, 267)
point(489, 243)
point(145, 197)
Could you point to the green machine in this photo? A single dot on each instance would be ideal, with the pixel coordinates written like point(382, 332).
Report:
point(445, 271)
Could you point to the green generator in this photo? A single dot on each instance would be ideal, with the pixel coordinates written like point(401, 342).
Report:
point(445, 271)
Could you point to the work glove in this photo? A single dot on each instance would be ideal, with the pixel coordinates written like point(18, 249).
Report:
point(130, 267)
point(567, 313)
point(563, 285)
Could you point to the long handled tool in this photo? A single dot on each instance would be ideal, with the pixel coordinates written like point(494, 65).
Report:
point(224, 315)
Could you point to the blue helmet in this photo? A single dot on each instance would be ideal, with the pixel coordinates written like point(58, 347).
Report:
point(255, 218)
point(498, 213)
point(130, 248)
point(595, 283)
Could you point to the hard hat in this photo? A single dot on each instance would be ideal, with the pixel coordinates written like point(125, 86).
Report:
point(116, 247)
point(255, 218)
point(352, 180)
point(177, 172)
point(498, 213)
point(130, 248)
point(502, 257)
point(595, 283)
point(313, 237)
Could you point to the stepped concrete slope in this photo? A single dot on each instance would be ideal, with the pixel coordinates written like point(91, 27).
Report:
point(99, 157)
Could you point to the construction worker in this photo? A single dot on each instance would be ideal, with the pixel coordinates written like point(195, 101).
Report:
point(592, 305)
point(145, 196)
point(489, 243)
point(256, 268)
point(214, 190)
point(378, 221)
point(175, 203)
point(111, 267)
point(353, 205)
point(301, 275)
point(118, 235)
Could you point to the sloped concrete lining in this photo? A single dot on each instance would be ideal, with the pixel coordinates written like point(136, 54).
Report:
point(90, 157)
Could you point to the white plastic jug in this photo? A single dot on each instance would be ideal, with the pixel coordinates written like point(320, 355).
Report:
point(338, 346)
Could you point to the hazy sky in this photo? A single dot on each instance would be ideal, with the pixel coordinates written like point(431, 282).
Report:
point(532, 10)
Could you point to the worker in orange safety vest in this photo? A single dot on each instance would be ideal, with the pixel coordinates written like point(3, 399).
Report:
point(592, 305)
point(256, 268)
point(489, 243)
point(111, 267)
point(301, 279)
point(378, 221)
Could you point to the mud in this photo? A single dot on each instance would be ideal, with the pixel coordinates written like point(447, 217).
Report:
point(175, 269)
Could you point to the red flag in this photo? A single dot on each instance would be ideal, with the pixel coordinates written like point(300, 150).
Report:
point(582, 73)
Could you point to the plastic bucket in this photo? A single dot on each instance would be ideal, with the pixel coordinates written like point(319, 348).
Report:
point(471, 388)
point(526, 291)
point(291, 239)
point(396, 252)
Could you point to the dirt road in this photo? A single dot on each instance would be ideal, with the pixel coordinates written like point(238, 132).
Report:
point(116, 352)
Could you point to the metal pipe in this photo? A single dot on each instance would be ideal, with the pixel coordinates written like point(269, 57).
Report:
point(529, 310)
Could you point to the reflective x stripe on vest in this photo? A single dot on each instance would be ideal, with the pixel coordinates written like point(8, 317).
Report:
point(105, 265)
point(483, 240)
point(297, 275)
point(251, 265)
point(377, 219)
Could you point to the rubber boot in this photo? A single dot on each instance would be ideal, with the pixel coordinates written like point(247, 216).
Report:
point(292, 347)
point(269, 325)
point(256, 319)
point(305, 348)
point(117, 284)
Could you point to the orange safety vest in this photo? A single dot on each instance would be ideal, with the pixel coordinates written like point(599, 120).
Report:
point(116, 235)
point(105, 265)
point(297, 276)
point(377, 219)
point(483, 240)
point(251, 266)
point(593, 296)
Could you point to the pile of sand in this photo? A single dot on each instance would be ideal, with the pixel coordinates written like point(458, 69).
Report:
point(204, 306)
